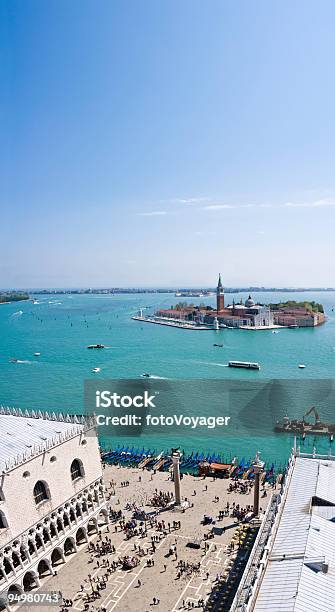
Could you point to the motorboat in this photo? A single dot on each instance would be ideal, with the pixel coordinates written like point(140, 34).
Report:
point(96, 370)
point(146, 375)
point(96, 346)
point(301, 366)
point(37, 354)
point(219, 345)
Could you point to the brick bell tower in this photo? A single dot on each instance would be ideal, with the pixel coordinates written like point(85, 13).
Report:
point(219, 296)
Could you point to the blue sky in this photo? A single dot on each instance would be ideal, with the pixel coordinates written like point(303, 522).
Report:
point(156, 143)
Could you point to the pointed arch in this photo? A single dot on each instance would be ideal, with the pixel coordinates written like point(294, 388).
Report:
point(77, 469)
point(41, 492)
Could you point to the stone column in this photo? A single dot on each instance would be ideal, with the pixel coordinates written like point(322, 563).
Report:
point(25, 549)
point(32, 540)
point(256, 494)
point(19, 557)
point(258, 466)
point(42, 540)
point(176, 476)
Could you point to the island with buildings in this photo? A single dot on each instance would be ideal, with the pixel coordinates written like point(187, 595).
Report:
point(243, 315)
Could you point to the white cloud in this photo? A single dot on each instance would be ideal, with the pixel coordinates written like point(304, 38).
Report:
point(218, 206)
point(314, 204)
point(153, 213)
point(235, 206)
point(197, 200)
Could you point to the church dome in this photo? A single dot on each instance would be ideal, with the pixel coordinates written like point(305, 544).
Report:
point(249, 302)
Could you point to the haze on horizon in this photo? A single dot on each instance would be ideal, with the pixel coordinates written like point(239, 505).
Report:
point(156, 144)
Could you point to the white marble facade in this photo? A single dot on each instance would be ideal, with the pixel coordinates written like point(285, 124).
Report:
point(52, 495)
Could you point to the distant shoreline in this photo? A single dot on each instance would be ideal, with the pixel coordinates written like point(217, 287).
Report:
point(153, 290)
point(9, 298)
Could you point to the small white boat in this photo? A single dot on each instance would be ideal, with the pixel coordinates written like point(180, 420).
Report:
point(96, 370)
point(301, 366)
point(37, 354)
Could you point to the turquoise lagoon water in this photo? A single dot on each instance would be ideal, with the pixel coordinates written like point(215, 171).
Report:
point(60, 328)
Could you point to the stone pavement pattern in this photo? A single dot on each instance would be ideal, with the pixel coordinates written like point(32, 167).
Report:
point(122, 592)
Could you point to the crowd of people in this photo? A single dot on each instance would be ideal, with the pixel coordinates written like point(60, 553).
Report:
point(161, 499)
point(134, 521)
point(240, 513)
point(240, 486)
point(185, 568)
point(192, 604)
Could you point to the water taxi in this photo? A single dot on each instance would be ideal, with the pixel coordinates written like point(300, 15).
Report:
point(249, 365)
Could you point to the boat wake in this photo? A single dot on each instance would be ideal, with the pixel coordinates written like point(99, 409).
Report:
point(158, 377)
point(154, 376)
point(221, 365)
point(17, 314)
point(20, 361)
point(213, 363)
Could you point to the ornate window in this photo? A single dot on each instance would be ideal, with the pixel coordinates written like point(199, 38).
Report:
point(77, 470)
point(41, 492)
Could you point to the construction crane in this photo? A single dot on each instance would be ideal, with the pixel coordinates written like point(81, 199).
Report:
point(316, 414)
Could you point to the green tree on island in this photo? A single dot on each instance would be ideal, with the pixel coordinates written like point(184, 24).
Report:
point(13, 297)
point(311, 306)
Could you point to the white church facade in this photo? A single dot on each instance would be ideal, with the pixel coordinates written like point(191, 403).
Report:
point(52, 495)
